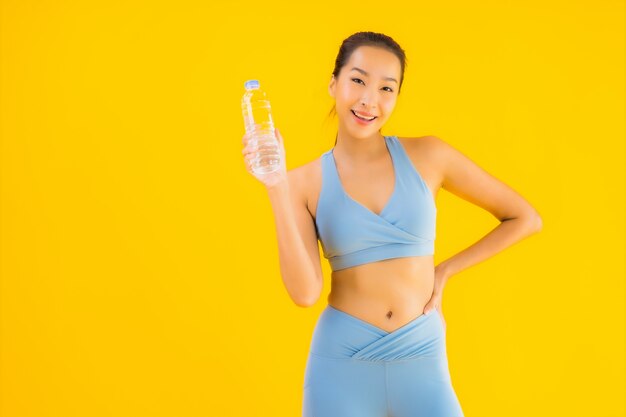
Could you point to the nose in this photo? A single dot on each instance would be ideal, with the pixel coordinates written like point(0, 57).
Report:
point(366, 103)
point(368, 99)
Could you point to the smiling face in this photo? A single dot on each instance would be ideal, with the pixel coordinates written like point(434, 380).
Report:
point(366, 86)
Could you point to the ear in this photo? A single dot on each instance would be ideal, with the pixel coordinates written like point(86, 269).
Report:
point(331, 86)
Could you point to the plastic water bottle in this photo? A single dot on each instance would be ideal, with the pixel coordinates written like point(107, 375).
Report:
point(257, 117)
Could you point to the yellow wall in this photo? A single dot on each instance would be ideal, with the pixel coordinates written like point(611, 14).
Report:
point(139, 263)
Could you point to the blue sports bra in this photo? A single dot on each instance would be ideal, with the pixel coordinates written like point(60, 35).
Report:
point(351, 234)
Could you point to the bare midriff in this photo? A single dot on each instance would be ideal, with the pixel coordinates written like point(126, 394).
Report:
point(387, 294)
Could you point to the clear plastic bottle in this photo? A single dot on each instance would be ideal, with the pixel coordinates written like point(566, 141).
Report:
point(257, 117)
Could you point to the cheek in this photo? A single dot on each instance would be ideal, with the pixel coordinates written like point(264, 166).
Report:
point(388, 105)
point(347, 95)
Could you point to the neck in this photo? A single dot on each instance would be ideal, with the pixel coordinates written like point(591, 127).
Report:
point(360, 150)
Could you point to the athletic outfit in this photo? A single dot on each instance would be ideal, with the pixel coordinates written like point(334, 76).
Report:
point(355, 369)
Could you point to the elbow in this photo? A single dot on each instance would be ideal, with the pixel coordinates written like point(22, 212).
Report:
point(532, 220)
point(305, 302)
point(539, 223)
point(536, 222)
point(309, 299)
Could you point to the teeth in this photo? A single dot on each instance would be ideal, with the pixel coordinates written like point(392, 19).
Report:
point(362, 117)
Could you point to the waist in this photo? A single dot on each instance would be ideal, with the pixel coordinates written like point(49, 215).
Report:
point(400, 286)
point(341, 336)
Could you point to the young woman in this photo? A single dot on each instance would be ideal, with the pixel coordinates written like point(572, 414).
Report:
point(378, 348)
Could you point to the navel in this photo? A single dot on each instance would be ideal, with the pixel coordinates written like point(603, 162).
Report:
point(389, 314)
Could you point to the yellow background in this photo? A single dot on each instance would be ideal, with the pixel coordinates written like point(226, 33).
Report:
point(140, 271)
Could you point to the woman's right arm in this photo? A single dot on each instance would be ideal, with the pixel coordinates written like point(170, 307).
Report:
point(299, 255)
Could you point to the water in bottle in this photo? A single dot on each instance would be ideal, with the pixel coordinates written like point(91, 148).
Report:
point(257, 117)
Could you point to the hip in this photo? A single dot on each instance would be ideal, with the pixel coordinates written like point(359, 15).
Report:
point(341, 336)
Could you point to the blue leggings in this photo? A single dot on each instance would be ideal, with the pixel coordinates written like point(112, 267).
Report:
point(355, 369)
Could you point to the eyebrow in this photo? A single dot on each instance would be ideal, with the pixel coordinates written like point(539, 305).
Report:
point(365, 73)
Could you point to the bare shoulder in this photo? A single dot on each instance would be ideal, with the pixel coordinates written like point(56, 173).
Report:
point(433, 152)
point(436, 157)
point(425, 154)
point(425, 145)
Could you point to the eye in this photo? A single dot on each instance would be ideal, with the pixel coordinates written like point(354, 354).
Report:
point(358, 79)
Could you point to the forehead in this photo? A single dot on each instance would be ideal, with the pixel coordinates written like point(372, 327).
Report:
point(376, 61)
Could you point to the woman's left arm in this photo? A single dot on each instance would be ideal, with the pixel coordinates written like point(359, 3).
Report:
point(464, 178)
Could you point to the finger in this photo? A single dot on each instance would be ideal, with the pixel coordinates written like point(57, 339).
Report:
point(249, 166)
point(250, 148)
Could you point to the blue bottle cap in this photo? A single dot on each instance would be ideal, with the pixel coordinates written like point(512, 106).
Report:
point(251, 84)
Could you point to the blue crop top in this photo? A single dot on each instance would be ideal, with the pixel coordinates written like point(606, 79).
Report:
point(351, 234)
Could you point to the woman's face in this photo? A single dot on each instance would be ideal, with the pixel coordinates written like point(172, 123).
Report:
point(367, 84)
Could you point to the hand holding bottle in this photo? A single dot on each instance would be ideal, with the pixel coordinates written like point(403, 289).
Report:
point(251, 154)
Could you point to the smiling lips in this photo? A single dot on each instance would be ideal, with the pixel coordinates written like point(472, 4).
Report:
point(363, 116)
